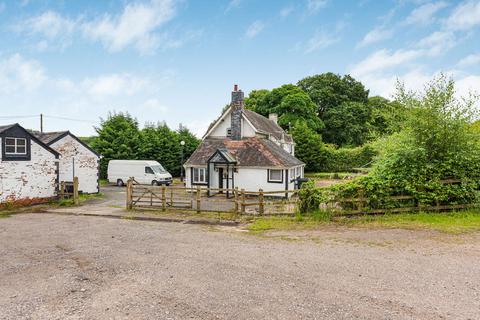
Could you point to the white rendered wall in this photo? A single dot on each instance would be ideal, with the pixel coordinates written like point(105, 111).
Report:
point(221, 129)
point(28, 179)
point(86, 164)
point(252, 179)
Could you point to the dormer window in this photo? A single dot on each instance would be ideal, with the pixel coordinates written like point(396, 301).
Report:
point(15, 146)
point(229, 132)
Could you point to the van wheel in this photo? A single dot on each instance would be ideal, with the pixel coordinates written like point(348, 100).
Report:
point(120, 183)
point(155, 183)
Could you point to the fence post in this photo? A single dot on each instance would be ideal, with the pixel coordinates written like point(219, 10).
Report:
point(199, 199)
point(62, 189)
point(242, 194)
point(360, 200)
point(261, 205)
point(129, 194)
point(164, 198)
point(235, 195)
point(76, 199)
point(171, 198)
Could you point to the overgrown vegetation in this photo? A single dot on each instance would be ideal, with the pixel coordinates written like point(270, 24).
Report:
point(436, 143)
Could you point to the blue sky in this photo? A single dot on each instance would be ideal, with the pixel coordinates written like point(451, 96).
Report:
point(177, 60)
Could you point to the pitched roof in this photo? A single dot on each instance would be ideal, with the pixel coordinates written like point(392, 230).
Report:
point(266, 125)
point(249, 152)
point(51, 137)
point(33, 137)
point(48, 137)
point(6, 127)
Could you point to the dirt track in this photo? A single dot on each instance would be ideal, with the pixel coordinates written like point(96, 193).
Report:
point(66, 267)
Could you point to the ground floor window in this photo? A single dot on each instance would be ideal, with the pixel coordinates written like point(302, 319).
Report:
point(275, 175)
point(199, 175)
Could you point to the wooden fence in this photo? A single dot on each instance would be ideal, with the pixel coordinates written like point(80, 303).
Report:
point(199, 199)
point(281, 202)
point(69, 190)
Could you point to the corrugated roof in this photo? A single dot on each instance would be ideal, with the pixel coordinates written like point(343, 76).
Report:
point(249, 152)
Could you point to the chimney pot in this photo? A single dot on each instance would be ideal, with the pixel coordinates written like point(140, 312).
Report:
point(273, 117)
point(235, 87)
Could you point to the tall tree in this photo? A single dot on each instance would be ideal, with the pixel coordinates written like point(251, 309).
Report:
point(118, 138)
point(254, 98)
point(347, 124)
point(309, 147)
point(329, 90)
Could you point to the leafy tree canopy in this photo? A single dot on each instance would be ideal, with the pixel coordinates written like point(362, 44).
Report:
point(329, 90)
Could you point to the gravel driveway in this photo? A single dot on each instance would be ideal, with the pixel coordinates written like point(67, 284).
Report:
point(76, 267)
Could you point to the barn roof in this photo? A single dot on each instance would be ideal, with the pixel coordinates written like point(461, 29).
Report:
point(6, 127)
point(50, 138)
point(249, 152)
point(33, 137)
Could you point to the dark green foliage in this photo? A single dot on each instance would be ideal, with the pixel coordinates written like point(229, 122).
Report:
point(289, 102)
point(387, 116)
point(347, 159)
point(329, 90)
point(309, 147)
point(347, 124)
point(120, 138)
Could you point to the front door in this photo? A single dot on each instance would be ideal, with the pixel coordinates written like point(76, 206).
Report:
point(220, 179)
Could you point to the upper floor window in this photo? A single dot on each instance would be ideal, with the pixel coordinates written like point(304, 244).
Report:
point(229, 132)
point(15, 146)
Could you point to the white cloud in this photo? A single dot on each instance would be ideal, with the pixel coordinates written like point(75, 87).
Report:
point(136, 26)
point(114, 84)
point(467, 85)
point(254, 29)
point(465, 16)
point(20, 74)
point(438, 42)
point(472, 59)
point(375, 35)
point(424, 14)
point(321, 40)
point(233, 4)
point(384, 59)
point(286, 11)
point(314, 5)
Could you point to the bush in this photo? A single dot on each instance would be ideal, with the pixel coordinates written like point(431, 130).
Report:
point(347, 159)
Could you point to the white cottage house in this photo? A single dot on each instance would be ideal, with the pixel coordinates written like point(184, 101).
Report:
point(76, 159)
point(246, 150)
point(28, 167)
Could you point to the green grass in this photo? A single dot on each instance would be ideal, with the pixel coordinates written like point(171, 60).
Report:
point(82, 198)
point(104, 182)
point(453, 222)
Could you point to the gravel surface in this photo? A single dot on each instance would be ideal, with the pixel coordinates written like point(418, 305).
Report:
point(75, 267)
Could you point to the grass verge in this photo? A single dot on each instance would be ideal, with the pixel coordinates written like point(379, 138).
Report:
point(453, 222)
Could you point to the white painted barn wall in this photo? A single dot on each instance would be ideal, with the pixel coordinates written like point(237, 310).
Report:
point(29, 179)
point(86, 163)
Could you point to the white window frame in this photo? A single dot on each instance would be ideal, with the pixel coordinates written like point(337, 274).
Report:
point(292, 173)
point(229, 132)
point(275, 180)
point(16, 146)
point(197, 175)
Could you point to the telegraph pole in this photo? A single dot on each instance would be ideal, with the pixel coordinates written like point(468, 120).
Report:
point(41, 122)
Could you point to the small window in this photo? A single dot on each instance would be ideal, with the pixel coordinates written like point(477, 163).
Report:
point(297, 171)
point(15, 146)
point(275, 175)
point(199, 175)
point(292, 173)
point(149, 170)
point(229, 132)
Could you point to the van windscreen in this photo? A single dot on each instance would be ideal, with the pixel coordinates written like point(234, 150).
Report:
point(158, 169)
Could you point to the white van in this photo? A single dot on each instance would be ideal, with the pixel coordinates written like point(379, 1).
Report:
point(144, 172)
